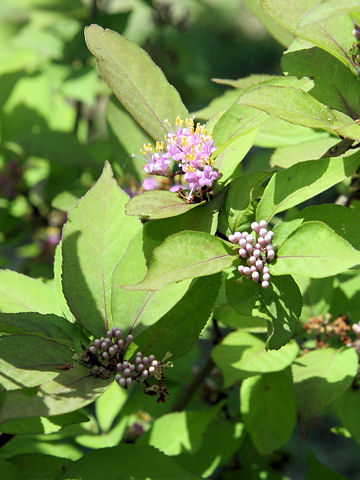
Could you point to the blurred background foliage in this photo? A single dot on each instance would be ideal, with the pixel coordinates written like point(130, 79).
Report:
point(58, 125)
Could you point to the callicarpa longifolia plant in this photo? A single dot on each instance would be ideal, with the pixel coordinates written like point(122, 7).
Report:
point(204, 305)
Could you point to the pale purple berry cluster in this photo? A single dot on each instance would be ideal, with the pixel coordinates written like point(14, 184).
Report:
point(257, 250)
point(107, 354)
point(143, 368)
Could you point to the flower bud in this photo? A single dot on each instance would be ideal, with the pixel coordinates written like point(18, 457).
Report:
point(257, 253)
point(109, 334)
point(252, 260)
point(250, 239)
point(129, 338)
point(97, 343)
point(119, 367)
point(151, 358)
point(257, 246)
point(270, 255)
point(107, 341)
point(264, 284)
point(129, 381)
point(266, 277)
point(252, 269)
point(122, 382)
point(244, 234)
point(127, 372)
point(243, 253)
point(242, 242)
point(139, 354)
point(93, 349)
point(266, 269)
point(118, 333)
point(261, 241)
point(145, 360)
point(105, 356)
point(255, 276)
point(120, 343)
point(259, 264)
point(140, 367)
point(104, 346)
point(138, 360)
point(144, 373)
point(241, 269)
point(151, 370)
point(249, 248)
point(263, 224)
point(267, 238)
point(263, 232)
point(111, 351)
point(237, 236)
point(247, 271)
point(117, 377)
point(256, 227)
point(154, 363)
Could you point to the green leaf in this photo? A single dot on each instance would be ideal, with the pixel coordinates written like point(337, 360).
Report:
point(227, 315)
point(346, 408)
point(282, 302)
point(268, 410)
point(46, 326)
point(39, 465)
point(158, 204)
point(338, 90)
point(321, 376)
point(9, 471)
point(346, 298)
point(314, 250)
point(286, 157)
point(302, 181)
point(136, 81)
point(58, 284)
point(139, 309)
point(95, 237)
point(28, 361)
point(328, 9)
point(185, 321)
point(179, 432)
point(238, 212)
point(185, 255)
point(229, 158)
point(109, 405)
point(317, 470)
point(241, 355)
point(218, 105)
point(122, 463)
point(247, 82)
point(20, 293)
point(70, 390)
point(333, 35)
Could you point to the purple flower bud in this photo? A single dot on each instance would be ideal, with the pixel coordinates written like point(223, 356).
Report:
point(139, 354)
point(122, 382)
point(138, 360)
point(252, 260)
point(118, 333)
point(241, 269)
point(115, 347)
point(257, 253)
point(107, 341)
point(140, 367)
point(243, 253)
point(231, 238)
point(237, 236)
point(257, 246)
point(255, 276)
point(255, 226)
point(249, 248)
point(264, 284)
point(144, 373)
point(104, 346)
point(126, 364)
point(146, 360)
point(114, 329)
point(247, 271)
point(250, 239)
point(154, 363)
point(119, 366)
point(105, 356)
point(109, 334)
point(102, 339)
point(270, 255)
point(151, 370)
point(127, 372)
point(263, 232)
point(356, 328)
point(117, 377)
point(132, 367)
point(267, 238)
point(129, 381)
point(252, 269)
point(151, 358)
point(93, 349)
point(129, 338)
point(266, 277)
point(269, 247)
point(120, 343)
point(259, 264)
point(263, 224)
point(261, 241)
point(266, 269)
point(271, 233)
point(242, 242)
point(97, 343)
point(244, 234)
point(112, 351)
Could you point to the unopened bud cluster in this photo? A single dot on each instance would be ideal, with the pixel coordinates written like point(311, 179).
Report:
point(108, 354)
point(257, 250)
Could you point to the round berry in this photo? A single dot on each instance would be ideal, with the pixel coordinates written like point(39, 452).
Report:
point(120, 343)
point(140, 367)
point(242, 242)
point(127, 372)
point(151, 358)
point(266, 277)
point(117, 377)
point(104, 346)
point(255, 276)
point(243, 253)
point(97, 343)
point(105, 356)
point(154, 363)
point(250, 239)
point(109, 334)
point(151, 370)
point(249, 248)
point(265, 284)
point(93, 349)
point(118, 333)
point(122, 382)
point(259, 264)
point(270, 255)
point(257, 253)
point(263, 224)
point(129, 338)
point(144, 373)
point(119, 366)
point(255, 226)
point(112, 351)
point(252, 260)
point(267, 238)
point(129, 381)
point(247, 271)
point(241, 268)
point(266, 269)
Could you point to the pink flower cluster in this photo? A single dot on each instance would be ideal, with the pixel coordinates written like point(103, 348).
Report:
point(257, 250)
point(191, 148)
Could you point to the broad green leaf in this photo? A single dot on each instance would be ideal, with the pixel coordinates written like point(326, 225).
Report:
point(46, 326)
point(19, 293)
point(317, 470)
point(346, 408)
point(185, 255)
point(229, 159)
point(333, 34)
point(122, 463)
point(219, 105)
point(299, 107)
point(328, 9)
point(346, 295)
point(282, 302)
point(227, 315)
point(340, 90)
point(241, 355)
point(95, 237)
point(107, 439)
point(221, 441)
point(314, 250)
point(252, 80)
point(179, 432)
point(57, 285)
point(64, 201)
point(28, 361)
point(158, 204)
point(9, 471)
point(238, 212)
point(302, 181)
point(268, 410)
point(39, 465)
point(286, 157)
point(70, 390)
point(109, 405)
point(321, 376)
point(136, 81)
point(185, 321)
point(275, 132)
point(317, 294)
point(139, 309)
